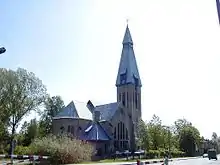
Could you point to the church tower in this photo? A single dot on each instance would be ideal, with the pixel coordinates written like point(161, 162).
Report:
point(128, 85)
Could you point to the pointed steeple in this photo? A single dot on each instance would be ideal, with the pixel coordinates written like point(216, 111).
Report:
point(128, 70)
point(127, 37)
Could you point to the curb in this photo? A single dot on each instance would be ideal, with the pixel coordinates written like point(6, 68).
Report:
point(161, 161)
point(141, 162)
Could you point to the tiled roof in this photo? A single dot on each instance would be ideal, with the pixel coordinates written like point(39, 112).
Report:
point(68, 111)
point(75, 109)
point(128, 71)
point(95, 132)
point(107, 111)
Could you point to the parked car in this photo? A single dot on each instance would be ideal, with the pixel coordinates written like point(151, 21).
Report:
point(205, 155)
point(212, 154)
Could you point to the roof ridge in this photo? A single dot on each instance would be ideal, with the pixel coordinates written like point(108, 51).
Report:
point(106, 104)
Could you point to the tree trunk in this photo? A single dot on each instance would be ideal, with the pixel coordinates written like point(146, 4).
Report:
point(12, 139)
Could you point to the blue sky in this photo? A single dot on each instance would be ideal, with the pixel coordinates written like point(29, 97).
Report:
point(74, 47)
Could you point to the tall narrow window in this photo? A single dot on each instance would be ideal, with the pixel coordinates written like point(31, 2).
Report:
point(121, 130)
point(118, 131)
point(116, 144)
point(69, 129)
point(72, 130)
point(121, 144)
point(123, 98)
point(133, 99)
point(127, 99)
point(136, 100)
point(115, 133)
point(62, 129)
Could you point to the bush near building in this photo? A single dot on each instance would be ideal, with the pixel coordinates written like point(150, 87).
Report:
point(151, 154)
point(60, 149)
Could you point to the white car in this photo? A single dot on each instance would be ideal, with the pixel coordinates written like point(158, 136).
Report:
point(205, 155)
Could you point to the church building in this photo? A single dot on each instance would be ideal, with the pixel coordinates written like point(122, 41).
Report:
point(110, 127)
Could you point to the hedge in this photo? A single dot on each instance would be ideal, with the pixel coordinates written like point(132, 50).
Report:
point(22, 150)
point(151, 154)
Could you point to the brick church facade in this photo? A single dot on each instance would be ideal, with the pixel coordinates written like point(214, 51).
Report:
point(110, 127)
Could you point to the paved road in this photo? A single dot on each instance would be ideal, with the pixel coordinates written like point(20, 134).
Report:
point(199, 161)
point(195, 161)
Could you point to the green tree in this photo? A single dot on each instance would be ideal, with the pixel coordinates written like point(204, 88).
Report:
point(29, 132)
point(4, 137)
point(142, 133)
point(189, 138)
point(155, 132)
point(53, 105)
point(5, 76)
point(180, 124)
point(20, 93)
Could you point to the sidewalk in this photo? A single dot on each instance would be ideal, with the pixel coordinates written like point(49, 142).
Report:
point(151, 161)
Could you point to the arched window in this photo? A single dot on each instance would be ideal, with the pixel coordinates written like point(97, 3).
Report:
point(69, 129)
point(79, 129)
point(118, 131)
point(72, 130)
point(123, 131)
point(121, 136)
point(127, 99)
point(115, 133)
point(62, 129)
point(136, 100)
point(123, 98)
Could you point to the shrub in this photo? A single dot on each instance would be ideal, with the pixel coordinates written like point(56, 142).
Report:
point(21, 150)
point(162, 152)
point(153, 154)
point(62, 149)
point(177, 153)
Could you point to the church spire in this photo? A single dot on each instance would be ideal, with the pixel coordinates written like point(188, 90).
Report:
point(128, 70)
point(127, 37)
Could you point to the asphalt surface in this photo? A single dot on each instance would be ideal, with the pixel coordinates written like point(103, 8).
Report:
point(198, 161)
point(190, 161)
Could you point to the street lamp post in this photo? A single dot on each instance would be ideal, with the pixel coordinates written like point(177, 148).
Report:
point(2, 50)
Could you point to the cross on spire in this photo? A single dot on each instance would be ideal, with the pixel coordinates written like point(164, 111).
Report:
point(127, 20)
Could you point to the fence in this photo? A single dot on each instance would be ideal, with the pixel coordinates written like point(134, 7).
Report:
point(23, 158)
